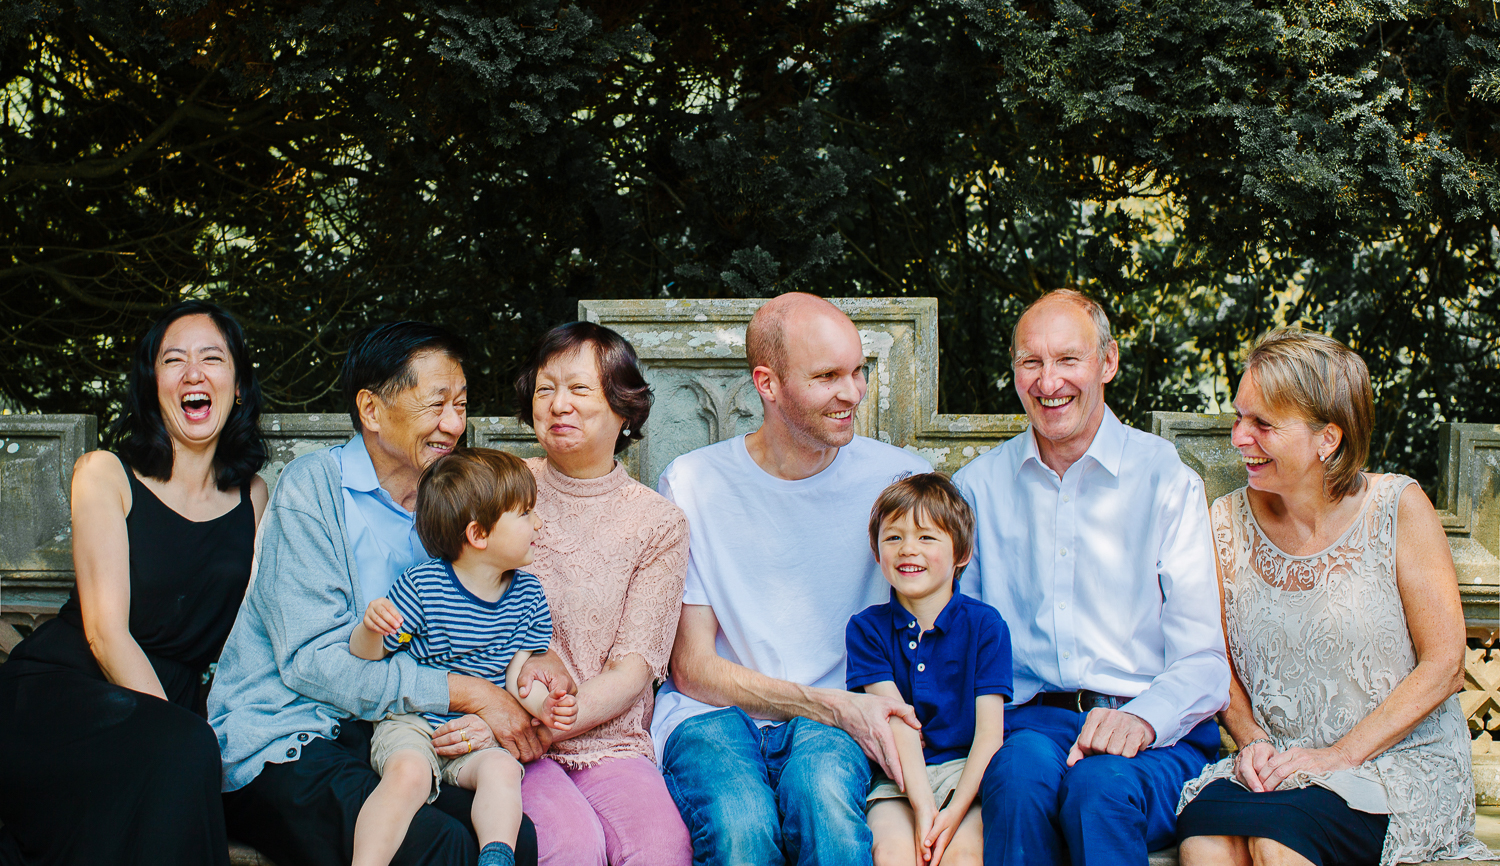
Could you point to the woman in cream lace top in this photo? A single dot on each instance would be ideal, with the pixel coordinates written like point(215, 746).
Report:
point(1345, 633)
point(612, 557)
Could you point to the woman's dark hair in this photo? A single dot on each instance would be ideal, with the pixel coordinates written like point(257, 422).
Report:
point(140, 435)
point(379, 360)
point(625, 388)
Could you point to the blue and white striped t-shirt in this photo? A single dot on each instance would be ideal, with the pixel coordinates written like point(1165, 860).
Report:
point(453, 629)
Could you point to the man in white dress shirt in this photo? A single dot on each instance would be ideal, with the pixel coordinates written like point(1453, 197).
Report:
point(1093, 542)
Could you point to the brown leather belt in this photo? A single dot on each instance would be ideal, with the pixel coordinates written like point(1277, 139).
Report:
point(1080, 701)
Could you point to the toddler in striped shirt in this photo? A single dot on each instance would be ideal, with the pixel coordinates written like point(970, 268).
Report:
point(471, 610)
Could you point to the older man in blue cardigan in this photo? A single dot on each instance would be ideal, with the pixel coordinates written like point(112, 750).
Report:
point(291, 706)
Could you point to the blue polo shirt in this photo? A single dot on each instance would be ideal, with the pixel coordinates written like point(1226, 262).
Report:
point(965, 654)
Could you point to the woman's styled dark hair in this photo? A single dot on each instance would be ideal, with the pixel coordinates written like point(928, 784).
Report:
point(379, 360)
point(619, 373)
point(140, 435)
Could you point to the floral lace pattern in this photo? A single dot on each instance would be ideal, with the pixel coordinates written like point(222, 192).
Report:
point(1318, 642)
point(612, 557)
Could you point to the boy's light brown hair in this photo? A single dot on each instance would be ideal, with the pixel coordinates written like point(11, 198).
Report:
point(935, 501)
point(469, 484)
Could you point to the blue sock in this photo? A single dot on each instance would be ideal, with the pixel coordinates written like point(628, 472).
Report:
point(497, 854)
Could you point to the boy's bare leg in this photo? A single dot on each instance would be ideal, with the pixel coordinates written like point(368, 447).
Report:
point(893, 827)
point(387, 812)
point(495, 778)
point(967, 846)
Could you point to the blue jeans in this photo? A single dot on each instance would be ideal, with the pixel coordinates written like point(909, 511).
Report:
point(1105, 809)
point(787, 793)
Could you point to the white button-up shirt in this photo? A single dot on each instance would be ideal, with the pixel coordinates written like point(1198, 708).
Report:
point(1104, 575)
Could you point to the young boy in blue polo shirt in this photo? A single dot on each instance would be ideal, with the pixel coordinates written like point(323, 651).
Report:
point(946, 654)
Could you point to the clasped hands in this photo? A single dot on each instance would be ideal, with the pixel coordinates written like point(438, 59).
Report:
point(1260, 767)
point(933, 830)
point(505, 723)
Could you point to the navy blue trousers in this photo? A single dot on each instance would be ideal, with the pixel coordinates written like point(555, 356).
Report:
point(1102, 811)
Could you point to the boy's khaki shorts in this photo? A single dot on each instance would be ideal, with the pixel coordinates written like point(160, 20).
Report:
point(411, 731)
point(942, 777)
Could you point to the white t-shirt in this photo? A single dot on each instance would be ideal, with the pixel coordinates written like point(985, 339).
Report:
point(784, 564)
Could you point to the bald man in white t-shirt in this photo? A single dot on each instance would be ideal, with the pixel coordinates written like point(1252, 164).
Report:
point(764, 751)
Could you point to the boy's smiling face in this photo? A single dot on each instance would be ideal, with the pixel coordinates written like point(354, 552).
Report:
point(510, 543)
point(916, 557)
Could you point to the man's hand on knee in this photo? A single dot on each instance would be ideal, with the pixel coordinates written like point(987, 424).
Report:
point(867, 718)
point(1111, 732)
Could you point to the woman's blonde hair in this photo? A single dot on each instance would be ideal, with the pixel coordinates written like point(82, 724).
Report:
point(1323, 381)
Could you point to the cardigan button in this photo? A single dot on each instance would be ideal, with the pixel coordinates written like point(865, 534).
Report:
point(291, 753)
point(335, 731)
point(302, 738)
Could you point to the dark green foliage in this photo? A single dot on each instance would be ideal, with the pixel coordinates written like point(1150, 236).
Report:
point(1209, 168)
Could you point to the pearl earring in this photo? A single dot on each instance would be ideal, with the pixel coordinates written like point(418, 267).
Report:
point(625, 431)
point(1322, 458)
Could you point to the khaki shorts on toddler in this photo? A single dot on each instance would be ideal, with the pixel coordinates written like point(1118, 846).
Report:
point(942, 777)
point(411, 731)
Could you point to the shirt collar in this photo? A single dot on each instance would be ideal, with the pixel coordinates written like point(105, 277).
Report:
point(355, 466)
point(1107, 449)
point(901, 617)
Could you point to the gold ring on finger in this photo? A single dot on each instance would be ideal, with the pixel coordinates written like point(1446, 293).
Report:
point(471, 746)
point(464, 732)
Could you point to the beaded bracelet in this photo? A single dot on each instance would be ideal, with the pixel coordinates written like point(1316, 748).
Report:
point(1242, 749)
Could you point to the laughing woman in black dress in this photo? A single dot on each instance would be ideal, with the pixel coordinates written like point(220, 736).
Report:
point(102, 757)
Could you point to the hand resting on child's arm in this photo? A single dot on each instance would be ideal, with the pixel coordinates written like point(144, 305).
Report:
point(913, 771)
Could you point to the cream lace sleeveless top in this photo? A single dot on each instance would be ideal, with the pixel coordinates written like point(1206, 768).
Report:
point(1320, 641)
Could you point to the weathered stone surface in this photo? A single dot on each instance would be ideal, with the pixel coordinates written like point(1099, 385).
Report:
point(37, 453)
point(1203, 444)
point(1468, 501)
point(292, 435)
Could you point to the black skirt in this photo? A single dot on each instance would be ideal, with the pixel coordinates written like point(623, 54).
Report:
point(1313, 821)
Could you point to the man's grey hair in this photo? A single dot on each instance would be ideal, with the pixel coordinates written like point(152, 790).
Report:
point(1078, 299)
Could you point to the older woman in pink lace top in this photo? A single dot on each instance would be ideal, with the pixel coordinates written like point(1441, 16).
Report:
point(612, 557)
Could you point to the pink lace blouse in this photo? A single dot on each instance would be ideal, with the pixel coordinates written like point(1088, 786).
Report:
point(612, 557)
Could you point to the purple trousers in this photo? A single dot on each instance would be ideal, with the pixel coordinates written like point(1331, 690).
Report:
point(616, 812)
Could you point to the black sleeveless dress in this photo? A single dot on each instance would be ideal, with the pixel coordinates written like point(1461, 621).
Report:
point(95, 773)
